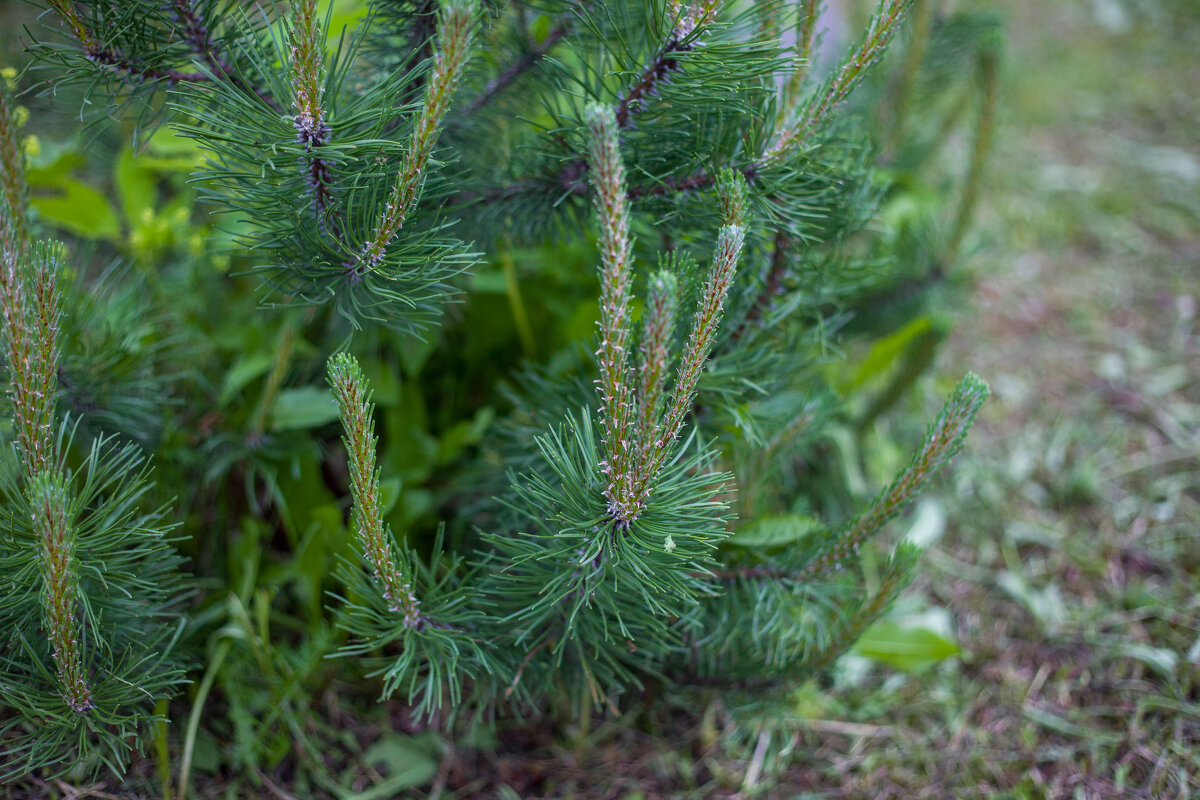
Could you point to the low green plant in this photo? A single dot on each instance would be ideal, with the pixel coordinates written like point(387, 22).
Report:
point(401, 210)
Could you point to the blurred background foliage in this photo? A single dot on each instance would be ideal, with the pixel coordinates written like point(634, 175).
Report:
point(1051, 649)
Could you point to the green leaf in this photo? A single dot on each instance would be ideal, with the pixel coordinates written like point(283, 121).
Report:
point(906, 649)
point(136, 186)
point(54, 171)
point(885, 352)
point(303, 407)
point(414, 352)
point(80, 209)
point(347, 14)
point(774, 531)
point(167, 152)
point(463, 434)
point(404, 761)
point(244, 370)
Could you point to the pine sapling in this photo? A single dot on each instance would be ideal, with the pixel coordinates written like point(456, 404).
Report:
point(608, 555)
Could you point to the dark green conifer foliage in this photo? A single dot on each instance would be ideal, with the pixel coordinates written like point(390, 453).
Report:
point(91, 608)
point(642, 512)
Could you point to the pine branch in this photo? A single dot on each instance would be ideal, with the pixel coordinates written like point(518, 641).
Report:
point(185, 25)
point(942, 442)
point(420, 42)
point(896, 575)
point(884, 26)
point(988, 68)
point(14, 233)
point(46, 315)
point(922, 19)
point(455, 36)
point(659, 70)
point(704, 329)
point(307, 73)
point(767, 23)
point(686, 31)
point(357, 413)
point(28, 309)
point(654, 349)
point(60, 594)
point(703, 332)
point(118, 62)
point(806, 30)
point(618, 404)
point(196, 32)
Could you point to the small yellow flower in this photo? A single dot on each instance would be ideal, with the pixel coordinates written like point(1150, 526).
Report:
point(32, 146)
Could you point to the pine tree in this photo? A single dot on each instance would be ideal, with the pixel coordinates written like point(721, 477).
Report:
point(636, 516)
point(80, 552)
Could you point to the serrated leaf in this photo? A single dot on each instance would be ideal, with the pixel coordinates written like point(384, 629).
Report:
point(80, 209)
point(906, 649)
point(774, 531)
point(303, 407)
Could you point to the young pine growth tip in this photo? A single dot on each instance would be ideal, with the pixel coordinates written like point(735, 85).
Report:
point(457, 21)
point(942, 442)
point(307, 75)
point(658, 328)
point(50, 502)
point(618, 402)
point(885, 24)
point(636, 444)
point(373, 538)
point(29, 312)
